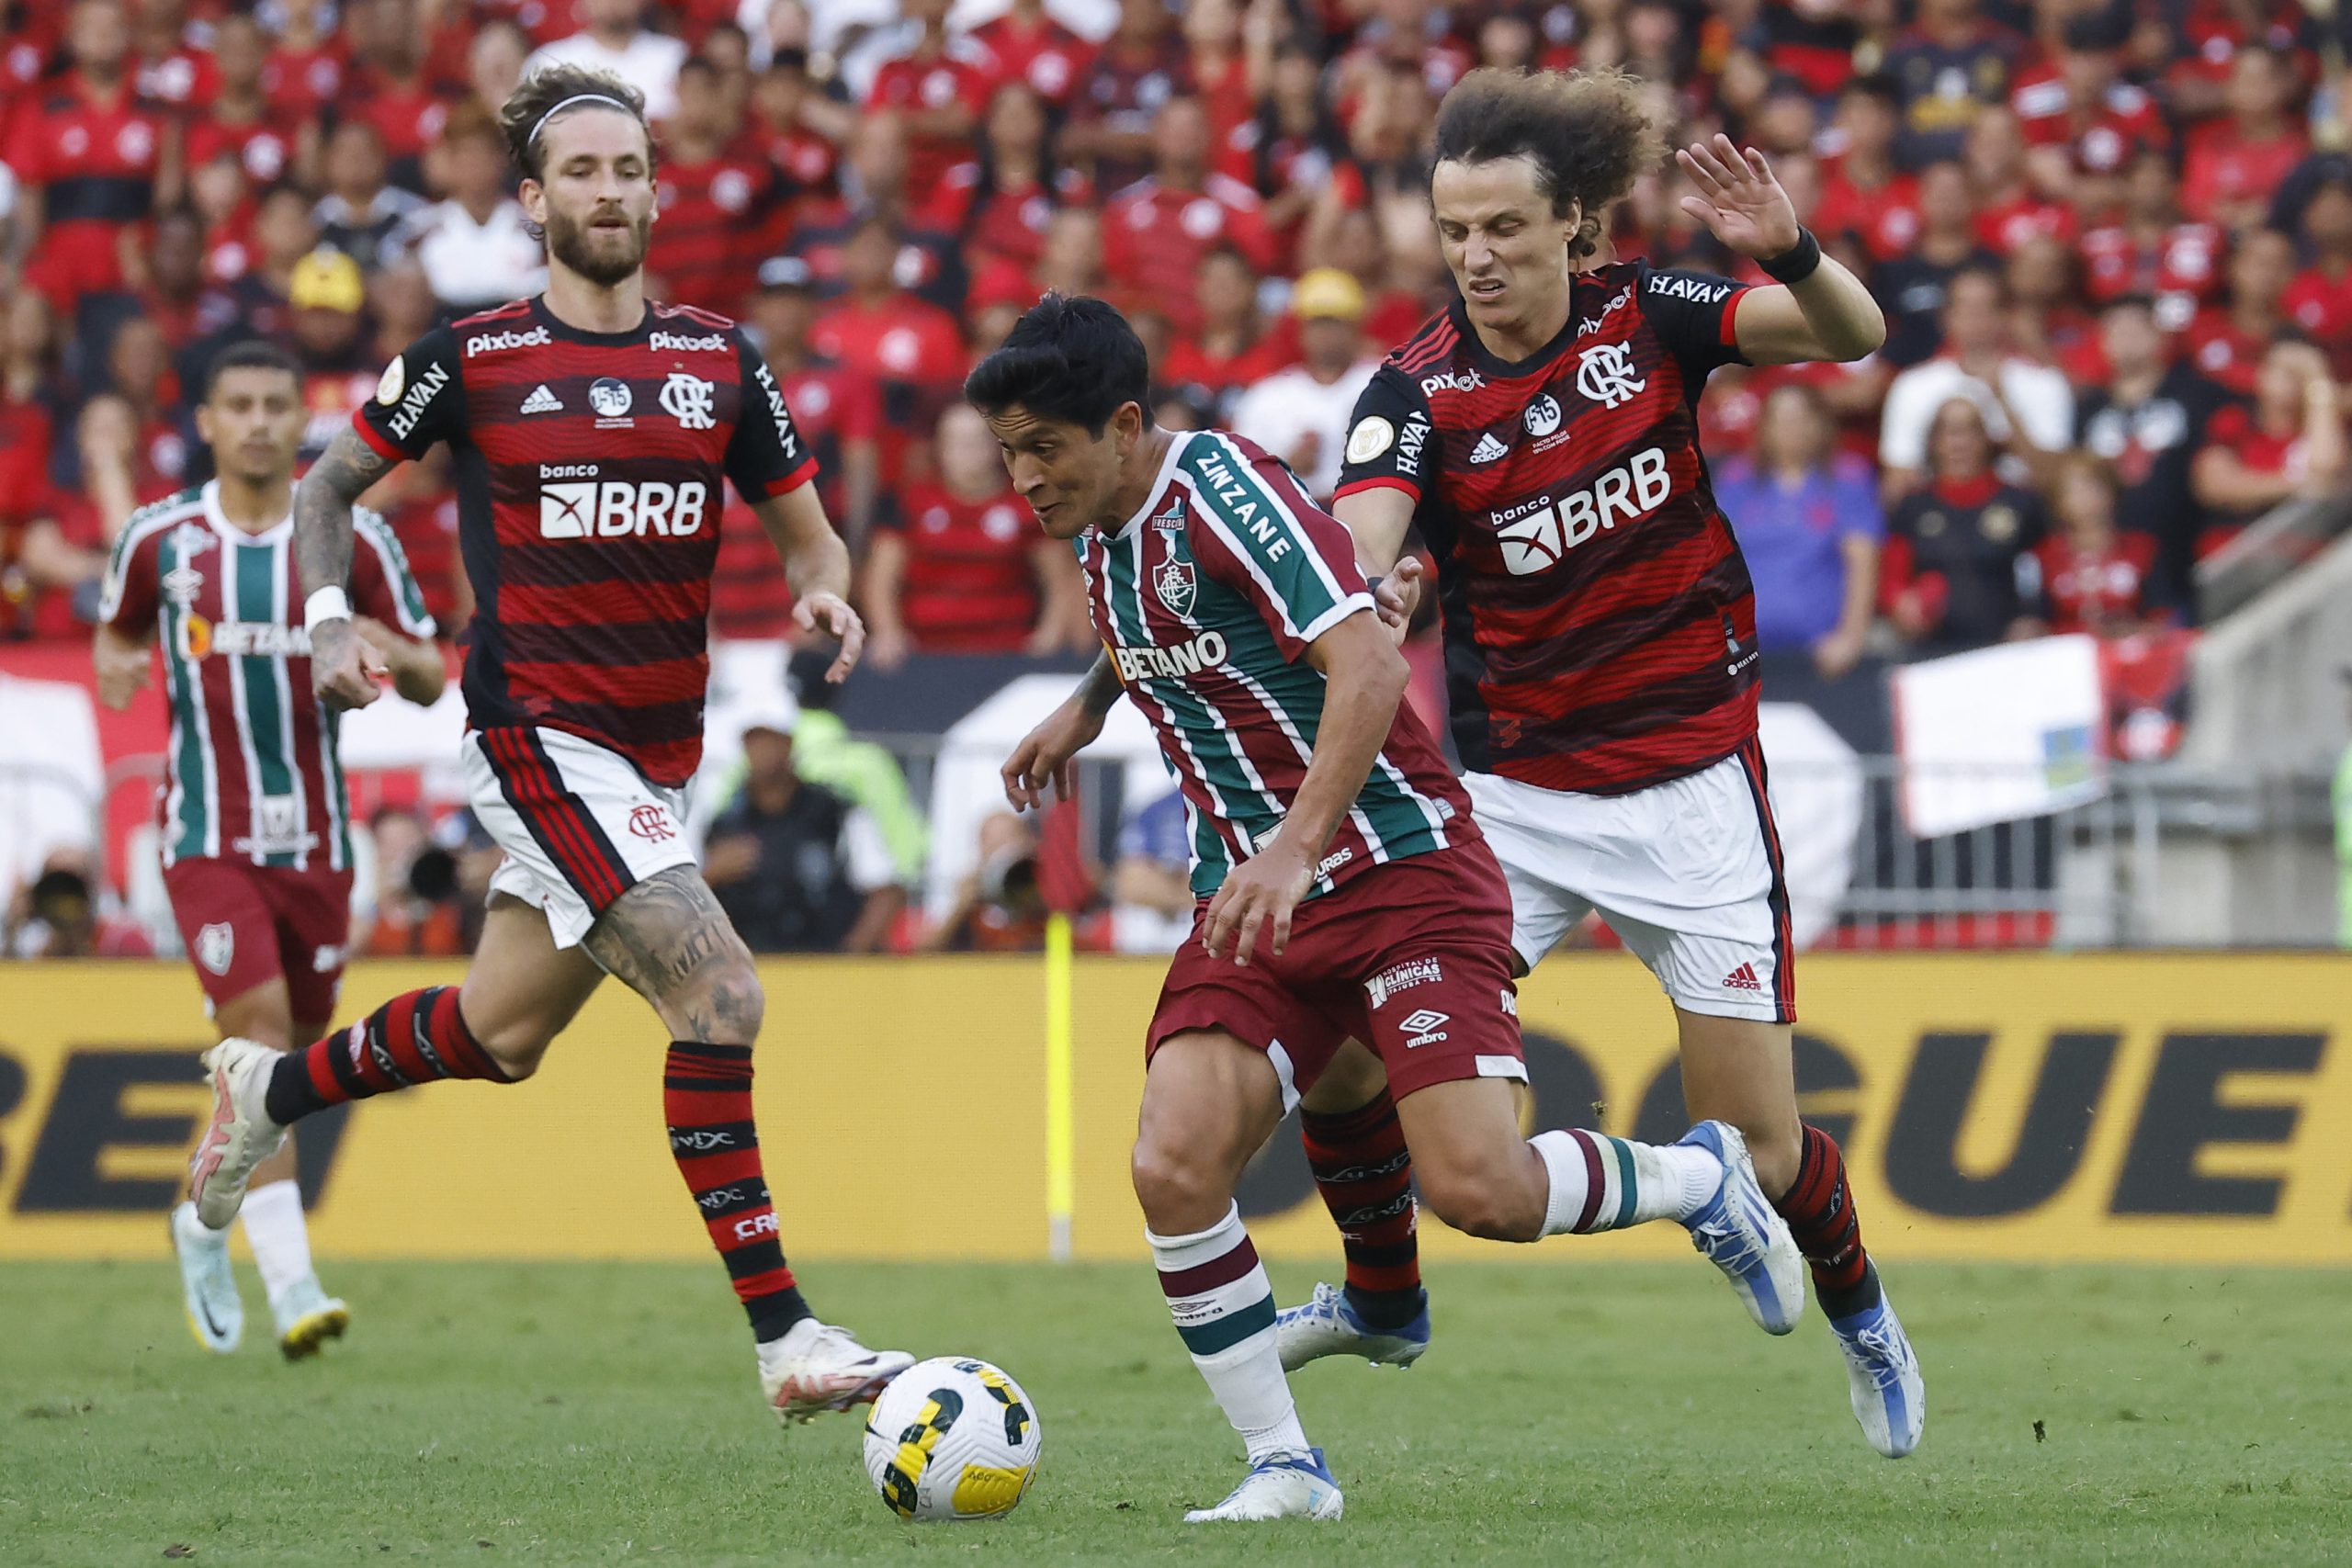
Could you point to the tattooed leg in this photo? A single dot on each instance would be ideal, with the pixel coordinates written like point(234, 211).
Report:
point(667, 940)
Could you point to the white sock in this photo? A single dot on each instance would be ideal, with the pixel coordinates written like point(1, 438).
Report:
point(1224, 1307)
point(1599, 1183)
point(275, 1230)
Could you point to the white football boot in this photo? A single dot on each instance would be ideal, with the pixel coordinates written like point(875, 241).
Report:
point(307, 1318)
point(816, 1367)
point(1883, 1380)
point(1328, 1325)
point(241, 1134)
point(1744, 1235)
point(1283, 1486)
point(215, 1312)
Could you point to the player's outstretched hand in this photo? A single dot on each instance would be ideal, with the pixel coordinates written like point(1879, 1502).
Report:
point(1258, 897)
point(1739, 199)
point(1398, 595)
point(1045, 754)
point(344, 671)
point(829, 610)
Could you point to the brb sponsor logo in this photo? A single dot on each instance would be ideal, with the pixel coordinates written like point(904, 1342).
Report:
point(498, 343)
point(1190, 657)
point(613, 509)
point(1536, 533)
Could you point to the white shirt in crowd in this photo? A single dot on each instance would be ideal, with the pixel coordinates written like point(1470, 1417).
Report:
point(648, 62)
point(1289, 405)
point(471, 264)
point(2043, 402)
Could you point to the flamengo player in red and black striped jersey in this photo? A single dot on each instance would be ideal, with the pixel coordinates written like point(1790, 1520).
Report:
point(593, 431)
point(1599, 623)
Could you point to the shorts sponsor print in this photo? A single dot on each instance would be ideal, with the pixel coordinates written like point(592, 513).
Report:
point(246, 925)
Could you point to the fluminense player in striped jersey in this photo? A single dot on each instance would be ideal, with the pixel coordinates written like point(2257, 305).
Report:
point(255, 823)
point(1345, 894)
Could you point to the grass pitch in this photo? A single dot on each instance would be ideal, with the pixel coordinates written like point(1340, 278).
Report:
point(1605, 1413)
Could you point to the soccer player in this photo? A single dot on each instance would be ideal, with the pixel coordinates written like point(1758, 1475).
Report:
point(593, 431)
point(256, 836)
point(1345, 893)
point(1600, 644)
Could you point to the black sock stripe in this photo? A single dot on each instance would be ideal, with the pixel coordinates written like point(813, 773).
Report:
point(1384, 1255)
point(709, 1051)
point(345, 1070)
point(708, 1086)
point(753, 1258)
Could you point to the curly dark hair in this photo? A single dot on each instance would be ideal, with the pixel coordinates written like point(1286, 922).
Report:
point(522, 117)
point(1585, 131)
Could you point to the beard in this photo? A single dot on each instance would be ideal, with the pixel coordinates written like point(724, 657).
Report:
point(600, 255)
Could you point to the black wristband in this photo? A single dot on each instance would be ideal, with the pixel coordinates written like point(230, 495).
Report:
point(1797, 263)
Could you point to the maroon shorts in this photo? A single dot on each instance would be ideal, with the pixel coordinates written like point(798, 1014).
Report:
point(246, 925)
point(1413, 958)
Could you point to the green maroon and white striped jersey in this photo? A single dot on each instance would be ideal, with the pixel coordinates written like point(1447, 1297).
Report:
point(252, 773)
point(1207, 599)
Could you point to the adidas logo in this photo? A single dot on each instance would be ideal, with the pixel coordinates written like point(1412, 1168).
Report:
point(1743, 979)
point(541, 400)
point(1488, 449)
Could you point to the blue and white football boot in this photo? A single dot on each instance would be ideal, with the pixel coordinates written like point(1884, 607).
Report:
point(215, 1313)
point(1883, 1378)
point(1285, 1486)
point(1328, 1325)
point(1744, 1235)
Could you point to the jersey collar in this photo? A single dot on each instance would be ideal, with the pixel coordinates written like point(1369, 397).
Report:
point(278, 530)
point(1159, 485)
point(1494, 367)
point(557, 329)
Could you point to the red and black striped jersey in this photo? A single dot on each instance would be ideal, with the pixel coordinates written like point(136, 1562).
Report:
point(1600, 624)
point(590, 470)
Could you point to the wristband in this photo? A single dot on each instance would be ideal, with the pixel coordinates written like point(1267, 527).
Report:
point(326, 604)
point(1797, 263)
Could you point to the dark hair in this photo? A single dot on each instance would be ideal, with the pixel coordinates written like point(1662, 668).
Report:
point(2134, 301)
point(254, 353)
point(1883, 88)
point(1073, 360)
point(1984, 270)
point(524, 114)
point(1585, 131)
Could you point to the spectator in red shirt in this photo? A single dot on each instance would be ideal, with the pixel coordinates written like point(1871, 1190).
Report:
point(280, 235)
point(164, 68)
point(307, 59)
point(1156, 233)
point(1287, 148)
point(837, 411)
point(360, 214)
point(2094, 576)
point(2228, 344)
point(2208, 35)
point(2150, 249)
point(962, 570)
point(2320, 299)
point(2009, 210)
point(999, 204)
point(1232, 349)
point(2047, 321)
point(2235, 165)
point(722, 207)
point(168, 289)
point(139, 370)
point(1071, 262)
point(63, 551)
point(494, 53)
point(1110, 129)
point(939, 87)
point(387, 85)
point(1027, 45)
point(873, 184)
point(1862, 192)
point(910, 348)
point(89, 155)
point(2289, 447)
point(2086, 122)
point(241, 120)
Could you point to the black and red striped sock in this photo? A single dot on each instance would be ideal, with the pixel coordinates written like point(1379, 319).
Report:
point(706, 1098)
point(410, 1040)
point(1365, 1174)
point(1820, 1212)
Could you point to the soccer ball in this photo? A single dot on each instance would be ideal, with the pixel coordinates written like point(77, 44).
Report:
point(952, 1438)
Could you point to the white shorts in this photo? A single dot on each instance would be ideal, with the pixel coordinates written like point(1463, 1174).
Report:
point(1687, 873)
point(580, 825)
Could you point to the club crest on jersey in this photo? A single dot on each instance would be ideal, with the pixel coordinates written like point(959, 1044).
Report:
point(690, 399)
point(1605, 375)
point(216, 944)
point(611, 398)
point(1172, 580)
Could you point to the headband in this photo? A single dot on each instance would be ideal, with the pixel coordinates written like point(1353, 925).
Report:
point(578, 98)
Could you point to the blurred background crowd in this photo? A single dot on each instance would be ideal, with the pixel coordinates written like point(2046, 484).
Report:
point(2113, 240)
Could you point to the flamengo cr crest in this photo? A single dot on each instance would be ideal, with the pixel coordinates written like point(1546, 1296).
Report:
point(652, 823)
point(688, 398)
point(1605, 375)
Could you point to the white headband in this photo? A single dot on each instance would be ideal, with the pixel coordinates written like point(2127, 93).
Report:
point(578, 98)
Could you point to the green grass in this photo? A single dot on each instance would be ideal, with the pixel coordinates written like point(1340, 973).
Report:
point(593, 1413)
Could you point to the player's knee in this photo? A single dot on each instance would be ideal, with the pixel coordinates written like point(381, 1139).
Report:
point(1182, 1189)
point(735, 1000)
point(517, 1048)
point(1493, 1199)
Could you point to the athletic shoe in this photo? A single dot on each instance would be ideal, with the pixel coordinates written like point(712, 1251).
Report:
point(816, 1367)
point(1328, 1325)
point(1743, 1234)
point(1883, 1378)
point(241, 1134)
point(307, 1318)
point(1285, 1486)
point(214, 1309)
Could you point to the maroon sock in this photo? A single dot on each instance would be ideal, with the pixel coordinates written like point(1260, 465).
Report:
point(410, 1040)
point(1820, 1212)
point(1365, 1174)
point(707, 1097)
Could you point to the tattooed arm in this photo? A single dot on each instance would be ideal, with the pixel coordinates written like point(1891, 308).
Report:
point(343, 670)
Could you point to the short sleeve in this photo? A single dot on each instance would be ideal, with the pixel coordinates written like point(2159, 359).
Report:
point(866, 854)
point(1695, 315)
point(1254, 530)
point(382, 586)
point(129, 595)
point(1388, 436)
point(420, 400)
point(765, 456)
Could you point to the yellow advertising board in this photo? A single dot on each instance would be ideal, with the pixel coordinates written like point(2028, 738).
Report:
point(2160, 1107)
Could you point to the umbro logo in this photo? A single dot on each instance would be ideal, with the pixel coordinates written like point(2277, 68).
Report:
point(1743, 979)
point(1488, 449)
point(541, 400)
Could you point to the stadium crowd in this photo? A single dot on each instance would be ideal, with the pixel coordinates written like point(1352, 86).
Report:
point(2113, 239)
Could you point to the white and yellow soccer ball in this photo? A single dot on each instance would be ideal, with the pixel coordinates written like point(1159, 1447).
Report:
point(952, 1438)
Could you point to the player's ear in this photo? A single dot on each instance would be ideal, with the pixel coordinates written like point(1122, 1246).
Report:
point(204, 424)
point(534, 198)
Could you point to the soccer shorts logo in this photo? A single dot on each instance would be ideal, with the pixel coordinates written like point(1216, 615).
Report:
point(1424, 1026)
point(216, 947)
point(652, 823)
